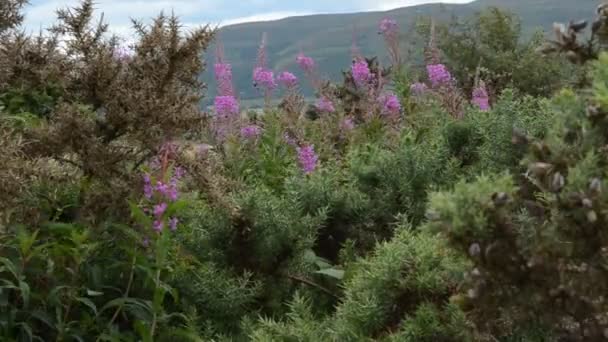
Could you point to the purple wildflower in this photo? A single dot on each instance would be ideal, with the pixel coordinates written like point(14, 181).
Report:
point(348, 124)
point(264, 79)
point(123, 54)
point(251, 131)
point(223, 78)
point(325, 105)
point(388, 26)
point(361, 72)
point(160, 209)
point(173, 193)
point(438, 74)
point(481, 98)
point(179, 172)
point(289, 139)
point(307, 158)
point(287, 79)
point(162, 188)
point(226, 106)
point(306, 63)
point(173, 223)
point(158, 225)
point(390, 104)
point(148, 191)
point(418, 88)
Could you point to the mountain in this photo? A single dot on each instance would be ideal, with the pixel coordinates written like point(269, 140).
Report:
point(328, 37)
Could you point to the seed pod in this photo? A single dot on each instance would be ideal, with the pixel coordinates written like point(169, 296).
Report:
point(591, 216)
point(558, 182)
point(595, 186)
point(500, 198)
point(540, 169)
point(474, 250)
point(587, 203)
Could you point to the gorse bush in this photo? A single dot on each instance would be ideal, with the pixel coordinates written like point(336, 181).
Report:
point(461, 202)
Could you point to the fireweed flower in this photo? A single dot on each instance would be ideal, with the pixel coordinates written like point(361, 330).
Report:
point(148, 190)
point(481, 98)
point(307, 158)
point(390, 104)
point(226, 106)
point(418, 89)
point(122, 54)
point(264, 79)
point(287, 79)
point(438, 74)
point(348, 124)
point(158, 225)
point(388, 26)
point(289, 139)
point(160, 209)
point(389, 29)
point(251, 131)
point(306, 63)
point(324, 105)
point(361, 72)
point(223, 78)
point(173, 223)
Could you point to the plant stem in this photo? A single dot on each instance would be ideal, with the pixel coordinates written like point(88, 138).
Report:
point(154, 317)
point(125, 295)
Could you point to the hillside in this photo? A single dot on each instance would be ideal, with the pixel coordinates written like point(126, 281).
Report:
point(328, 38)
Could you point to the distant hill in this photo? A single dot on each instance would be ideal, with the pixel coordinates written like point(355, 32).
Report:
point(328, 37)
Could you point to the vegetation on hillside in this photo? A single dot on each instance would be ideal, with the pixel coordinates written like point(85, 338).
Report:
point(460, 201)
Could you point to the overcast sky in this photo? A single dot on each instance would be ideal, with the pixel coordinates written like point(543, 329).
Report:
point(194, 12)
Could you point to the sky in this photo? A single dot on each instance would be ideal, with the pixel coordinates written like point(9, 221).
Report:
point(41, 13)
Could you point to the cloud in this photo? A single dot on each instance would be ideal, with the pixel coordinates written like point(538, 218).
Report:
point(263, 17)
point(117, 12)
point(387, 5)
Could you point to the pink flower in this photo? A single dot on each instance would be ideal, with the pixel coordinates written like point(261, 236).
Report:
point(348, 124)
point(173, 223)
point(148, 190)
point(306, 63)
point(160, 209)
point(287, 79)
point(251, 131)
point(223, 78)
point(123, 54)
point(388, 26)
point(324, 105)
point(390, 104)
point(361, 72)
point(289, 139)
point(158, 225)
point(418, 89)
point(263, 78)
point(481, 98)
point(226, 106)
point(438, 74)
point(307, 158)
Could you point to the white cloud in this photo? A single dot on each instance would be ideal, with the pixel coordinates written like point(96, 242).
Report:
point(116, 12)
point(387, 5)
point(263, 17)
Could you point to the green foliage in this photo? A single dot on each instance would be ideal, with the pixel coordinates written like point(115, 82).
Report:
point(123, 218)
point(489, 46)
point(538, 241)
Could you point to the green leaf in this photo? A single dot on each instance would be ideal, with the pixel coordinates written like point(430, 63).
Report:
point(8, 265)
point(92, 293)
point(25, 293)
point(139, 215)
point(89, 303)
point(332, 272)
